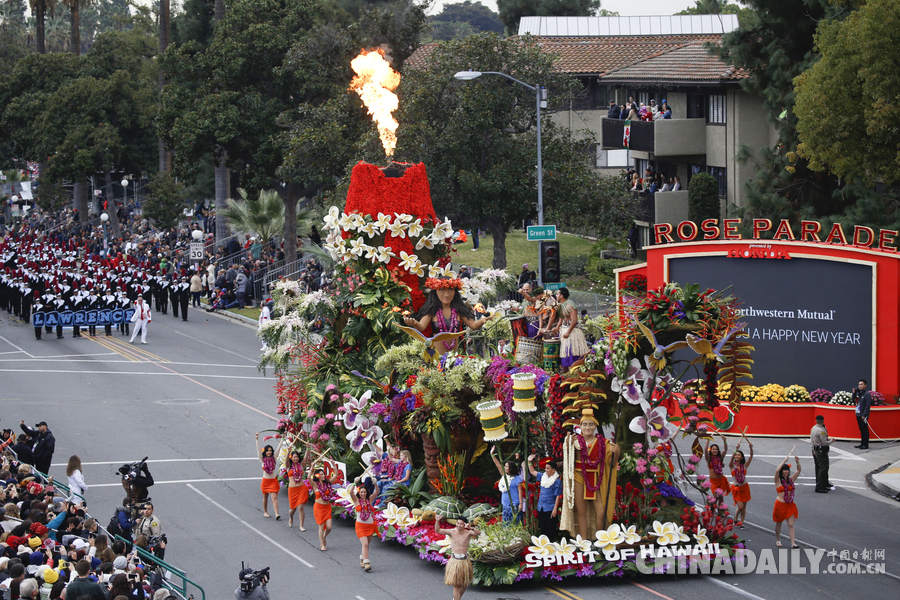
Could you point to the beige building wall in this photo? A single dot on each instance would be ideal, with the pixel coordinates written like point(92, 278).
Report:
point(747, 126)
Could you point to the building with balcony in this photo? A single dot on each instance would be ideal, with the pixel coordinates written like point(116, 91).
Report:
point(665, 59)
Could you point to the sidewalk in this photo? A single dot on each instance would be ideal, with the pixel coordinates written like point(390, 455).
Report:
point(888, 481)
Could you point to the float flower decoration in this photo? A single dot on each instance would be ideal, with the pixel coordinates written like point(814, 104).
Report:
point(542, 546)
point(655, 424)
point(366, 432)
point(701, 538)
point(565, 548)
point(394, 515)
point(609, 538)
point(631, 535)
point(355, 410)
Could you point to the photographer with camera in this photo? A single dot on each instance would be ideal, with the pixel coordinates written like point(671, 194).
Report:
point(253, 584)
point(148, 524)
point(136, 478)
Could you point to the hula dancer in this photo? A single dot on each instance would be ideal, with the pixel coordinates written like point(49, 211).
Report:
point(715, 462)
point(572, 344)
point(740, 491)
point(361, 495)
point(269, 485)
point(298, 494)
point(322, 510)
point(785, 509)
point(458, 572)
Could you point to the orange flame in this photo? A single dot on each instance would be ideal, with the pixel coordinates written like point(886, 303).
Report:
point(374, 82)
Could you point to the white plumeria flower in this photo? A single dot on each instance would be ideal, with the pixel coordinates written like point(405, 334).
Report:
point(448, 272)
point(443, 230)
point(581, 544)
point(444, 545)
point(394, 514)
point(564, 547)
point(542, 546)
point(358, 221)
point(369, 229)
point(409, 521)
point(382, 222)
point(345, 221)
point(415, 228)
point(418, 270)
point(425, 242)
point(665, 533)
point(609, 538)
point(408, 261)
point(331, 219)
point(682, 536)
point(404, 218)
point(435, 270)
point(384, 254)
point(357, 247)
point(397, 229)
point(344, 494)
point(372, 253)
point(631, 535)
point(701, 537)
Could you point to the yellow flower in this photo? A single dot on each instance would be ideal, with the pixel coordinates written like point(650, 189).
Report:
point(444, 545)
point(542, 546)
point(383, 222)
point(665, 533)
point(581, 544)
point(701, 537)
point(608, 539)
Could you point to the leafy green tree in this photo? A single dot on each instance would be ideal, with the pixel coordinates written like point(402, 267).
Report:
point(269, 96)
point(847, 116)
point(478, 139)
point(703, 198)
point(511, 11)
point(102, 16)
point(166, 201)
point(746, 16)
point(194, 23)
point(462, 19)
point(775, 50)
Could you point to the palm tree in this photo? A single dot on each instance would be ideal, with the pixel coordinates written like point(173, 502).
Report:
point(165, 158)
point(56, 34)
point(263, 217)
point(40, 8)
point(75, 7)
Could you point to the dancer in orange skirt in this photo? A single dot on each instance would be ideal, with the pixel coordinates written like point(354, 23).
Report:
point(740, 491)
point(322, 509)
point(298, 493)
point(785, 509)
point(714, 460)
point(269, 485)
point(360, 495)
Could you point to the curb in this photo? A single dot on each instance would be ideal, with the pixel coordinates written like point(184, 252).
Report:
point(229, 315)
point(882, 488)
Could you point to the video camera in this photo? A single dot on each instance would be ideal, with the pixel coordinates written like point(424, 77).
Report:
point(251, 579)
point(131, 471)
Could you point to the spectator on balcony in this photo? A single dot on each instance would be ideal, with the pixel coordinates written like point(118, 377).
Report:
point(666, 111)
point(666, 186)
point(644, 112)
point(633, 114)
point(654, 109)
point(636, 184)
point(676, 184)
point(623, 112)
point(613, 110)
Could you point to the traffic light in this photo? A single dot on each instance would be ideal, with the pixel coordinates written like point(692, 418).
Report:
point(549, 262)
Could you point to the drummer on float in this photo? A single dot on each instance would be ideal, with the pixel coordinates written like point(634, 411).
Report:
point(532, 316)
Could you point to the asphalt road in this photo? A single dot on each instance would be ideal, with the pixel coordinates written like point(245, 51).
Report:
point(192, 399)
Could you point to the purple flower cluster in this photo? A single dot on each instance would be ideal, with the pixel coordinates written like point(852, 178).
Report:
point(525, 574)
point(400, 405)
point(670, 492)
point(551, 574)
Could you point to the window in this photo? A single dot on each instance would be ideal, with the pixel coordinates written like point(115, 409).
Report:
point(716, 113)
point(720, 174)
point(602, 95)
point(610, 159)
point(696, 106)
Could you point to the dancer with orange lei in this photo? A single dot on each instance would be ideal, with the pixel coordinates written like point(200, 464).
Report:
point(740, 490)
point(714, 460)
point(298, 494)
point(361, 495)
point(589, 479)
point(325, 495)
point(785, 509)
point(269, 485)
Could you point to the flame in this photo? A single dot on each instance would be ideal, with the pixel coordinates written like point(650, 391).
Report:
point(374, 82)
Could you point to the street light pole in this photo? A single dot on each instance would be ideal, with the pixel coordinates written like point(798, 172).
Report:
point(538, 92)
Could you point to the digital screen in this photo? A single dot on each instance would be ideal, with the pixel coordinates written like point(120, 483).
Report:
point(809, 320)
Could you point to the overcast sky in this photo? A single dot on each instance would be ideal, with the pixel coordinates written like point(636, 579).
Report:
point(626, 8)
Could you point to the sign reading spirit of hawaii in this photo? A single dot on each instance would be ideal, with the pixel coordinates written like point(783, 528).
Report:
point(82, 318)
point(809, 320)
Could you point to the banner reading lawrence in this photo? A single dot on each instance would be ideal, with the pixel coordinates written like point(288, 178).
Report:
point(810, 320)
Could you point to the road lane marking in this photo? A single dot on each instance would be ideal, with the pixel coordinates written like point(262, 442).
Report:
point(48, 359)
point(844, 454)
point(121, 352)
point(561, 593)
point(253, 360)
point(208, 480)
point(159, 460)
point(646, 589)
point(16, 347)
point(220, 393)
point(251, 527)
point(733, 588)
point(138, 350)
point(185, 375)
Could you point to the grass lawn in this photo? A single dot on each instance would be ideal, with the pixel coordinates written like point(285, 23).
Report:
point(252, 313)
point(518, 251)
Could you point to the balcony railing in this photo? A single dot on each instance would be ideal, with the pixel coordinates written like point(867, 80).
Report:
point(642, 135)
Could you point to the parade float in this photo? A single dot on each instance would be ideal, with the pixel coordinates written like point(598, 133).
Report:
point(360, 381)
